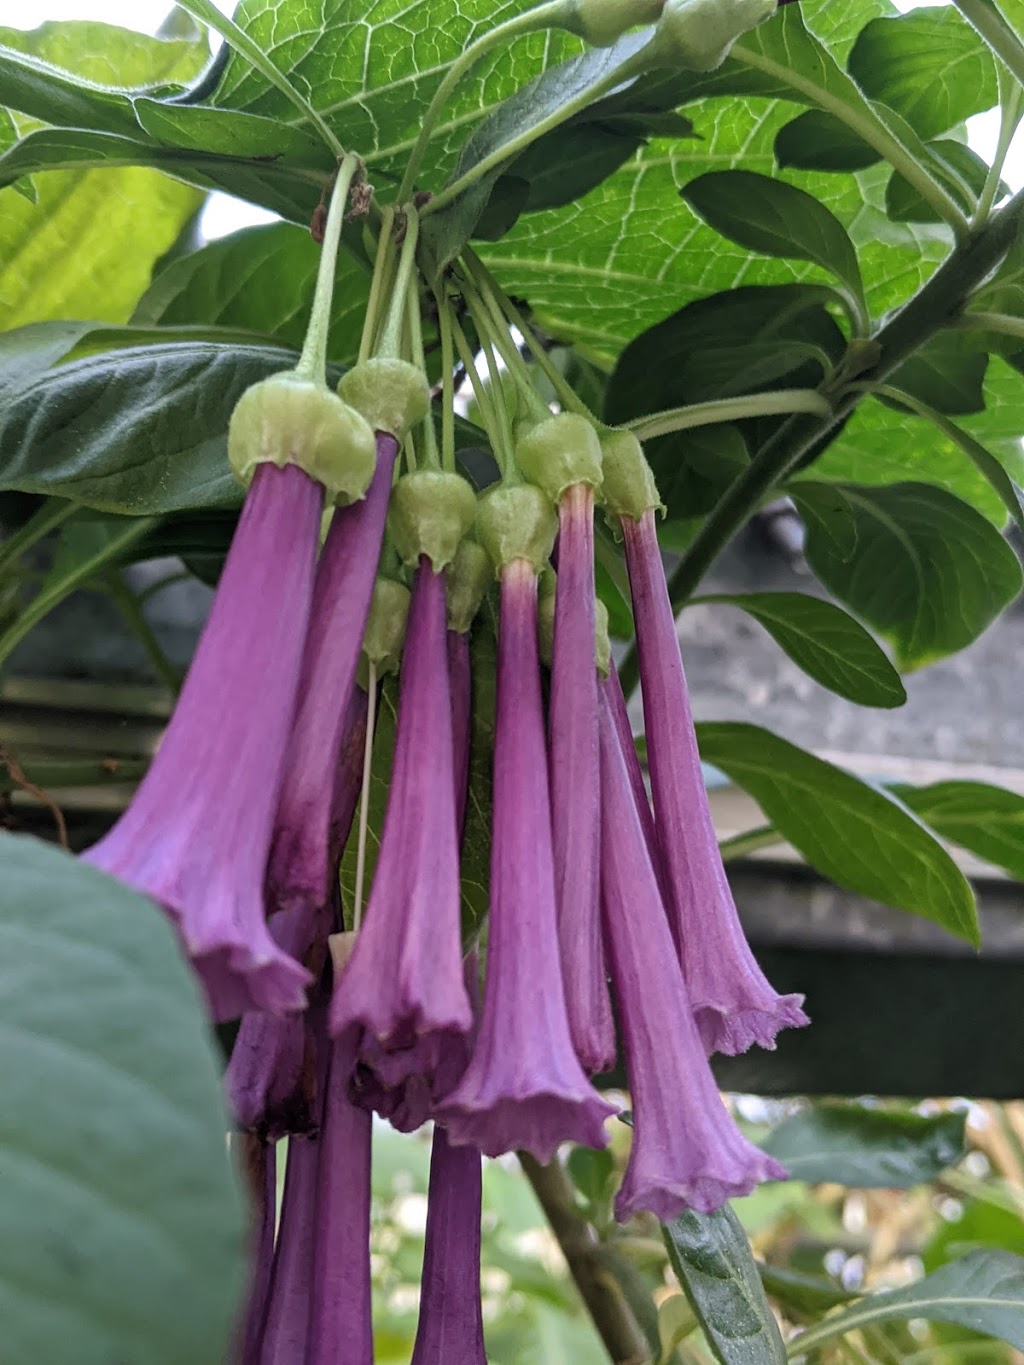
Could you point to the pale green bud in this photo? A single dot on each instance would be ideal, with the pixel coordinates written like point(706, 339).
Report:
point(603, 22)
point(628, 489)
point(697, 34)
point(516, 522)
point(468, 579)
point(391, 394)
point(385, 625)
point(429, 513)
point(557, 453)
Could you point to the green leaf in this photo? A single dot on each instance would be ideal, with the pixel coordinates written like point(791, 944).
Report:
point(817, 141)
point(777, 219)
point(28, 352)
point(983, 1291)
point(985, 819)
point(852, 833)
point(967, 172)
point(929, 65)
point(868, 1148)
point(825, 509)
point(593, 1173)
point(712, 1258)
point(830, 646)
point(929, 574)
point(947, 373)
point(121, 1228)
point(802, 1296)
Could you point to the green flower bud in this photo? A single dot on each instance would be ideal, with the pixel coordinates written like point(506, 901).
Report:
point(697, 34)
point(603, 22)
point(546, 591)
point(289, 420)
point(385, 627)
point(559, 452)
point(391, 394)
point(602, 641)
point(516, 522)
point(628, 489)
point(469, 577)
point(429, 513)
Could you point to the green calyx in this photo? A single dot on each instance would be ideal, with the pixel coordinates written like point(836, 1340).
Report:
point(290, 420)
point(392, 394)
point(628, 489)
point(385, 625)
point(603, 22)
point(697, 34)
point(469, 577)
point(516, 522)
point(429, 513)
point(559, 452)
point(546, 625)
point(602, 639)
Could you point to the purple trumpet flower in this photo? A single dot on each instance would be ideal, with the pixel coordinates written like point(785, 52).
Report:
point(733, 1003)
point(451, 1329)
point(460, 683)
point(687, 1152)
point(259, 1160)
point(286, 1328)
point(301, 858)
point(524, 1086)
point(400, 1005)
point(575, 785)
point(269, 1079)
point(197, 833)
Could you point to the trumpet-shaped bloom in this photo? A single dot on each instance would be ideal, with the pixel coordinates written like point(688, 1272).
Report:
point(460, 677)
point(400, 1002)
point(524, 1086)
point(733, 1003)
point(301, 860)
point(197, 833)
point(575, 786)
point(687, 1152)
point(259, 1162)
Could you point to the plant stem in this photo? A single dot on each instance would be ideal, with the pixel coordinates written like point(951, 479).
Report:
point(208, 13)
point(729, 410)
point(414, 325)
point(378, 283)
point(490, 323)
point(750, 841)
point(484, 400)
point(391, 341)
point(1010, 108)
point(53, 513)
point(588, 1264)
point(991, 322)
point(444, 323)
point(128, 605)
point(937, 304)
point(313, 359)
point(989, 23)
point(543, 17)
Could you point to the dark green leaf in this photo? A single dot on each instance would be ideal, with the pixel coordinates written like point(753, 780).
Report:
point(985, 819)
point(712, 1258)
point(984, 1291)
point(850, 1144)
point(777, 219)
point(966, 178)
point(802, 1296)
point(593, 1173)
point(825, 510)
point(830, 646)
point(28, 352)
point(930, 66)
point(121, 1228)
point(851, 832)
point(818, 141)
point(947, 373)
point(929, 573)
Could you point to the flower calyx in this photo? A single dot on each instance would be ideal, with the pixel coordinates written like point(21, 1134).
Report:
point(559, 452)
point(469, 577)
point(697, 34)
point(628, 488)
point(385, 626)
point(547, 593)
point(430, 512)
point(288, 419)
point(516, 521)
point(602, 22)
point(391, 394)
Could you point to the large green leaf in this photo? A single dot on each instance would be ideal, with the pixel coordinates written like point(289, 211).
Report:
point(983, 1291)
point(853, 833)
point(121, 1228)
point(851, 1144)
point(985, 819)
point(712, 1258)
point(929, 573)
point(830, 646)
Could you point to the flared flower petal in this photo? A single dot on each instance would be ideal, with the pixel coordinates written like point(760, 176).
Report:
point(197, 833)
point(575, 786)
point(733, 1003)
point(524, 1087)
point(687, 1152)
point(451, 1329)
point(301, 855)
point(401, 993)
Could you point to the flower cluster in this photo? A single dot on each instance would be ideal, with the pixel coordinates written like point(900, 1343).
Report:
point(597, 896)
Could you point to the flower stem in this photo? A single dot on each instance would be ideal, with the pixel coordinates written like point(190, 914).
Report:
point(128, 605)
point(414, 325)
point(444, 322)
point(987, 21)
point(313, 360)
point(53, 513)
point(1011, 106)
point(991, 322)
point(530, 22)
point(750, 841)
point(379, 283)
point(491, 324)
point(729, 410)
point(496, 426)
point(391, 340)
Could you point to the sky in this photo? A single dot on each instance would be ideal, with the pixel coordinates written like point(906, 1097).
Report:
point(224, 214)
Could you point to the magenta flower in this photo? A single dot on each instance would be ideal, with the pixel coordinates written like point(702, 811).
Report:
point(259, 1161)
point(286, 1329)
point(733, 1003)
point(524, 1086)
point(197, 833)
point(575, 785)
point(300, 856)
point(687, 1152)
point(400, 1003)
point(460, 682)
point(451, 1329)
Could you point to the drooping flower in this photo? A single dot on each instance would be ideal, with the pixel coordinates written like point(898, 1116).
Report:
point(300, 857)
point(687, 1152)
point(524, 1086)
point(450, 1329)
point(197, 833)
point(286, 1329)
point(259, 1166)
point(400, 1002)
